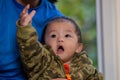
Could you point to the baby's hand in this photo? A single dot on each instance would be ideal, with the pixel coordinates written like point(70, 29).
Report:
point(25, 18)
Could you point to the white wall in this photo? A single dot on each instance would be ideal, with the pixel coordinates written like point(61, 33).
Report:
point(108, 27)
point(118, 37)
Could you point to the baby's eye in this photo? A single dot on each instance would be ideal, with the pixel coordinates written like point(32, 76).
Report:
point(53, 36)
point(67, 35)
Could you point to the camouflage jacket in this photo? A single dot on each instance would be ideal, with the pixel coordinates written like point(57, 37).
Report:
point(40, 63)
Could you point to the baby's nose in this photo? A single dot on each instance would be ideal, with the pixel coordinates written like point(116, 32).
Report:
point(60, 39)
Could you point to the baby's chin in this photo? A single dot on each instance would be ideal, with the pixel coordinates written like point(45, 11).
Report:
point(65, 61)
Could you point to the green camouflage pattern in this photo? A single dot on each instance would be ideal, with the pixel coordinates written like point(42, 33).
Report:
point(40, 63)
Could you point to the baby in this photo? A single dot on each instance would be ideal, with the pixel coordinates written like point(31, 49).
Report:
point(60, 56)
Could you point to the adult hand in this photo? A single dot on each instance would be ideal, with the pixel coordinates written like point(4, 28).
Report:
point(25, 18)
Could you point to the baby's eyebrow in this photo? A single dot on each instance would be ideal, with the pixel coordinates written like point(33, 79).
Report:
point(69, 31)
point(51, 31)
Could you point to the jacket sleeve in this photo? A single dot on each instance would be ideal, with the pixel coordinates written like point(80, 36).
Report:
point(34, 56)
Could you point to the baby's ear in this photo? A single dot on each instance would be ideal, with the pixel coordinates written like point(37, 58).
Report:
point(79, 48)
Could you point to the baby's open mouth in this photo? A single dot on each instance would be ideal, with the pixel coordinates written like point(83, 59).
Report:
point(60, 48)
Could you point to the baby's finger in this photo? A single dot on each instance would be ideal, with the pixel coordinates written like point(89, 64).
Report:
point(32, 14)
point(29, 17)
point(25, 10)
point(25, 20)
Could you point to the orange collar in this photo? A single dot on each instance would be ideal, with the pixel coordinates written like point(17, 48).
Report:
point(66, 66)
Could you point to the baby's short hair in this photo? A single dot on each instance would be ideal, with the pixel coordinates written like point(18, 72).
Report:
point(62, 19)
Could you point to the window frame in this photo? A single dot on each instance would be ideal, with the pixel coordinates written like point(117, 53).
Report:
point(108, 37)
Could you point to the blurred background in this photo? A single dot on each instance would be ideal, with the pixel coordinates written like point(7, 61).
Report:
point(83, 12)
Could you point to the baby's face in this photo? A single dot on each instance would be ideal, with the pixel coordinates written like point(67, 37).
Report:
point(62, 38)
